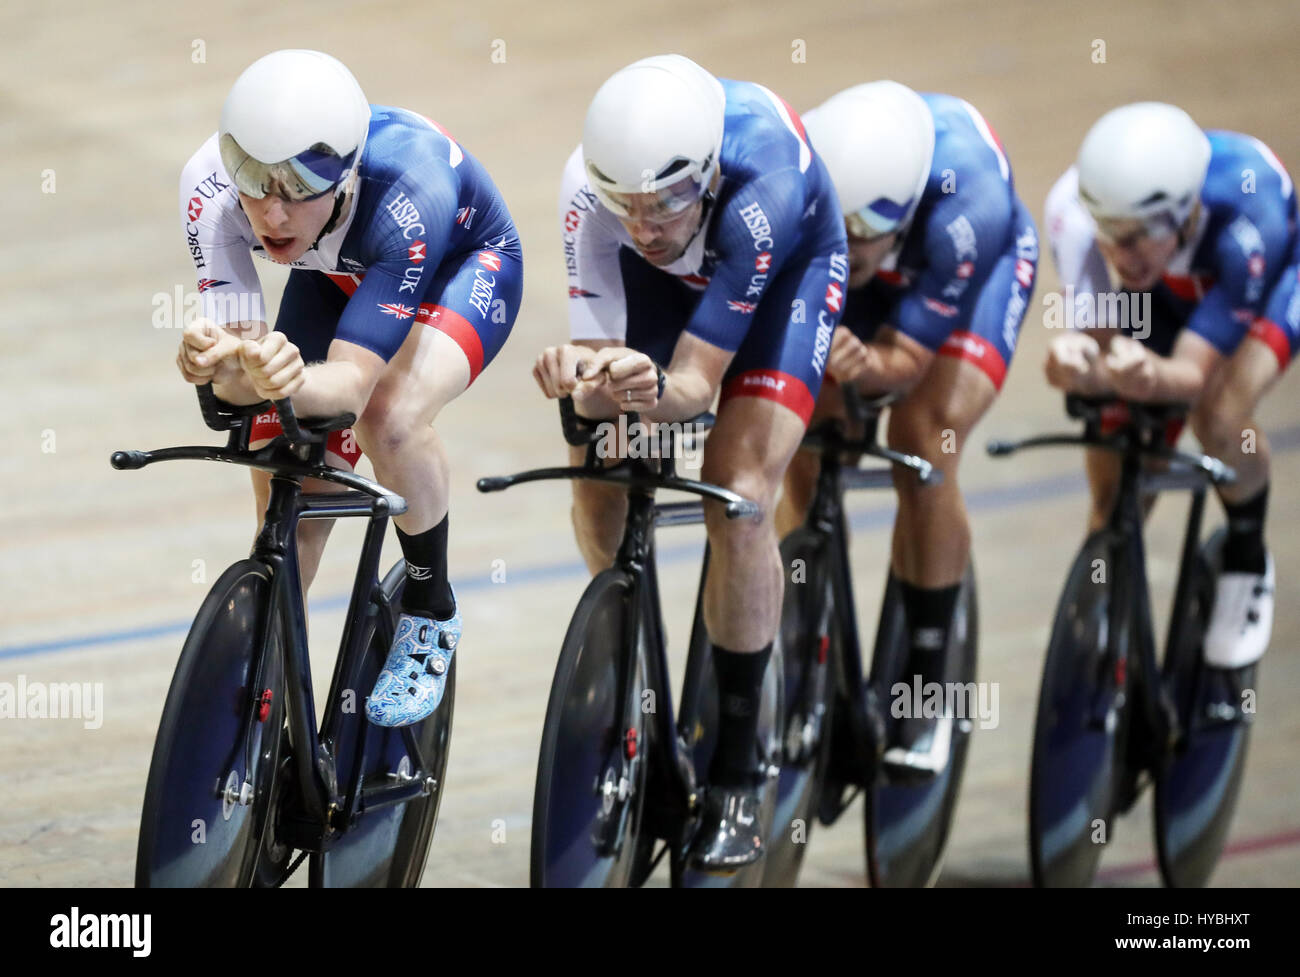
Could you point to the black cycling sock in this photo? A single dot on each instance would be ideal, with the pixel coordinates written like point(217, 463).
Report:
point(928, 612)
point(740, 687)
point(428, 593)
point(1244, 551)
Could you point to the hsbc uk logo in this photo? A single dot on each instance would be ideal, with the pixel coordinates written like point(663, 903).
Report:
point(406, 215)
point(416, 252)
point(490, 260)
point(206, 189)
point(760, 229)
point(839, 274)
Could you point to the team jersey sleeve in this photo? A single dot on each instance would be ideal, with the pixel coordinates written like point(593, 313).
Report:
point(965, 236)
point(218, 238)
point(758, 230)
point(590, 240)
point(404, 245)
point(1071, 236)
point(1250, 253)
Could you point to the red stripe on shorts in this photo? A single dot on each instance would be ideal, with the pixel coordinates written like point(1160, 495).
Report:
point(1271, 335)
point(342, 443)
point(458, 328)
point(787, 390)
point(980, 352)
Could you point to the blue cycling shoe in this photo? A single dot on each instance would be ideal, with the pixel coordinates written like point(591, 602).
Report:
point(410, 686)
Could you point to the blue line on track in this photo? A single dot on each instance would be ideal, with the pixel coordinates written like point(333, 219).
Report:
point(977, 500)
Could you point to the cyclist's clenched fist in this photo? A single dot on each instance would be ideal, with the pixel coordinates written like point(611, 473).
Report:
point(208, 353)
point(273, 365)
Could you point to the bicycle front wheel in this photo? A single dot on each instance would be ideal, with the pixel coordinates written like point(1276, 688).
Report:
point(205, 804)
point(1078, 740)
point(591, 770)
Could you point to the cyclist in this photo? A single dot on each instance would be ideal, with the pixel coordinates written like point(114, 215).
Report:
point(1202, 226)
point(705, 253)
point(942, 258)
point(405, 279)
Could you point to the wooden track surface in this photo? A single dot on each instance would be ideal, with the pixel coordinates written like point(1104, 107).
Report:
point(111, 100)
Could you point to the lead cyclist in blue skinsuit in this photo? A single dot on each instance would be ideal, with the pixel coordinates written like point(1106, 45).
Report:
point(405, 280)
point(705, 253)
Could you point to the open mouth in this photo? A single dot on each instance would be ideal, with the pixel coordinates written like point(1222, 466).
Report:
point(277, 243)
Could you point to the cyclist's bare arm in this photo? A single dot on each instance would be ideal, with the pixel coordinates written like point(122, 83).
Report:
point(891, 362)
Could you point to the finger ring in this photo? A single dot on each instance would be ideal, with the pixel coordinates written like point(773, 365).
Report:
point(629, 396)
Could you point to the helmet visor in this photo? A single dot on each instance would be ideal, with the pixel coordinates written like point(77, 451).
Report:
point(876, 218)
point(312, 173)
point(657, 202)
point(1127, 231)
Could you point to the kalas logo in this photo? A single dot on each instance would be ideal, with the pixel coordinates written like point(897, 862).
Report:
point(396, 311)
point(195, 208)
point(489, 260)
point(763, 262)
point(834, 297)
point(416, 252)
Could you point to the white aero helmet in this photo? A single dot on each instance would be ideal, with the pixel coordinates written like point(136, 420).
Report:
point(296, 119)
point(877, 142)
point(654, 127)
point(1147, 162)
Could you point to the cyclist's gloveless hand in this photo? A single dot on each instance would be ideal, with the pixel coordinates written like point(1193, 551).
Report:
point(273, 365)
point(208, 353)
point(601, 382)
point(1131, 369)
point(1072, 362)
point(851, 359)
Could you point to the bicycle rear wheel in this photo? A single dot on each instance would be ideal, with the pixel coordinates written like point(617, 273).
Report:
point(196, 829)
point(807, 698)
point(591, 769)
point(1197, 789)
point(387, 847)
point(907, 824)
point(1079, 748)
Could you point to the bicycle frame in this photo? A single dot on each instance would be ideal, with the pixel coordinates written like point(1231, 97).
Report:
point(317, 811)
point(826, 518)
point(1137, 442)
point(672, 771)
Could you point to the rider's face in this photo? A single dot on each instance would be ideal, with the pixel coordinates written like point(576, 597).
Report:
point(1139, 259)
point(661, 240)
point(285, 228)
point(865, 256)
